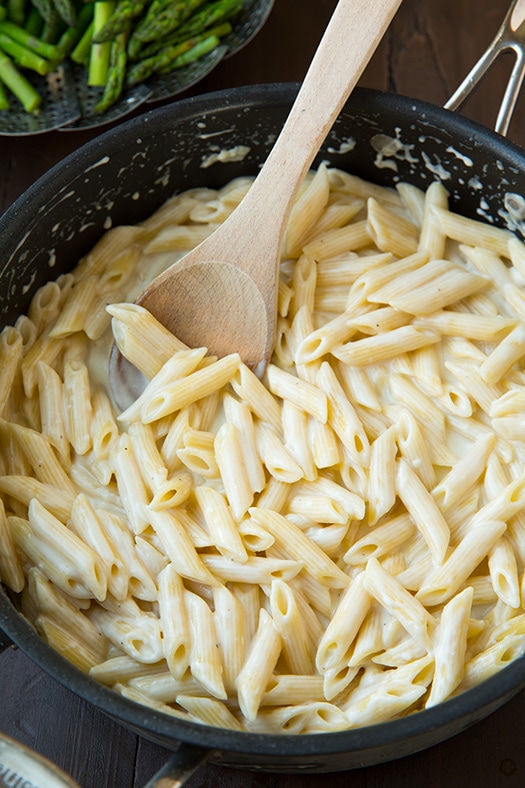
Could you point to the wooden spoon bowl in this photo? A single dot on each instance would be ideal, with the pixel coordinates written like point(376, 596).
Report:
point(223, 294)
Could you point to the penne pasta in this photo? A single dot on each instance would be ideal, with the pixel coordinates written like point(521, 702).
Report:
point(336, 543)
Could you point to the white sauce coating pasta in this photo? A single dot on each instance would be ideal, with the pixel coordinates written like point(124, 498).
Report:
point(339, 544)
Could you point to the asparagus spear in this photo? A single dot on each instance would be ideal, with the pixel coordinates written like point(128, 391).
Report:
point(33, 22)
point(53, 27)
point(100, 53)
point(45, 9)
point(16, 11)
point(209, 18)
point(162, 17)
point(18, 84)
point(4, 98)
point(23, 57)
point(20, 35)
point(116, 73)
point(125, 12)
point(212, 14)
point(173, 40)
point(72, 35)
point(171, 58)
point(81, 52)
point(66, 11)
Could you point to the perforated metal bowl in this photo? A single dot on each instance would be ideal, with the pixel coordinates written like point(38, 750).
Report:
point(68, 101)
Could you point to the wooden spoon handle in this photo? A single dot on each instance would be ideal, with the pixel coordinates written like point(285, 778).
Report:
point(348, 43)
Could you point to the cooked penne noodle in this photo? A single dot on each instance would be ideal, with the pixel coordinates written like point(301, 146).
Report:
point(381, 490)
point(174, 622)
point(209, 711)
point(198, 453)
point(77, 406)
point(464, 474)
point(220, 523)
point(472, 232)
point(450, 647)
point(131, 487)
point(493, 659)
point(232, 636)
point(306, 212)
point(179, 238)
point(342, 239)
point(84, 522)
point(203, 656)
point(313, 717)
point(410, 613)
point(303, 285)
point(347, 183)
point(274, 455)
point(141, 338)
point(299, 392)
point(250, 390)
point(257, 569)
point(503, 569)
point(295, 433)
point(413, 198)
point(445, 580)
point(390, 231)
point(507, 502)
point(432, 238)
point(137, 635)
point(161, 400)
point(382, 347)
point(423, 509)
point(413, 449)
point(342, 416)
point(140, 585)
point(178, 547)
point(346, 268)
point(66, 642)
point(318, 508)
point(322, 340)
point(81, 298)
point(11, 349)
point(486, 328)
point(258, 667)
point(103, 428)
point(300, 548)
point(11, 571)
point(36, 448)
point(333, 648)
point(239, 414)
point(290, 626)
point(383, 540)
point(510, 350)
point(429, 288)
point(378, 321)
point(290, 689)
point(230, 462)
point(43, 349)
point(25, 488)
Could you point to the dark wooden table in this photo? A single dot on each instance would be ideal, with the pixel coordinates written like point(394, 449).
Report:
point(431, 45)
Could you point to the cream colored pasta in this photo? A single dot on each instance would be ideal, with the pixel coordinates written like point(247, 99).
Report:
point(333, 545)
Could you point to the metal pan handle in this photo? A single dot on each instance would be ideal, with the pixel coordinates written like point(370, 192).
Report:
point(509, 38)
point(185, 761)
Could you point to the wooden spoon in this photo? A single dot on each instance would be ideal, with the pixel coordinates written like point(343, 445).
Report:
point(223, 294)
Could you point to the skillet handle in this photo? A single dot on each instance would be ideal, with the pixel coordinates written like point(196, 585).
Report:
point(184, 762)
point(510, 37)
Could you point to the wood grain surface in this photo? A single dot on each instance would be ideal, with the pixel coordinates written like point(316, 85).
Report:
point(430, 46)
